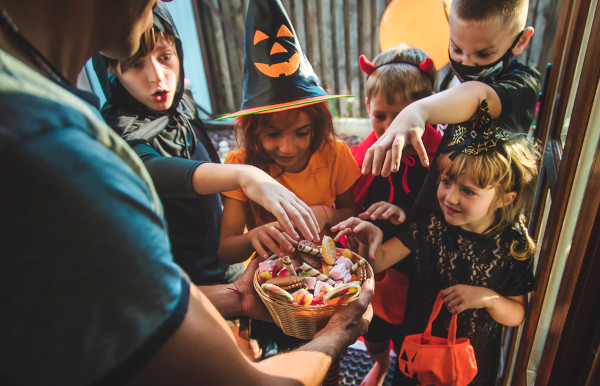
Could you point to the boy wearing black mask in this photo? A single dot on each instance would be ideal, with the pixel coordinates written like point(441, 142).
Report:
point(484, 37)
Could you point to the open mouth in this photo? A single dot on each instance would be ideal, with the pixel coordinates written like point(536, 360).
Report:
point(160, 96)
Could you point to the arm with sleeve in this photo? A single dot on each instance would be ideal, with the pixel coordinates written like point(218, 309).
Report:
point(98, 292)
point(172, 176)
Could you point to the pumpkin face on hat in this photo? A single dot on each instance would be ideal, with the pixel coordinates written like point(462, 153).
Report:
point(285, 67)
point(277, 74)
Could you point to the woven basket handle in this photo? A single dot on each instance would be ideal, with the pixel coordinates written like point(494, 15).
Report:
point(434, 313)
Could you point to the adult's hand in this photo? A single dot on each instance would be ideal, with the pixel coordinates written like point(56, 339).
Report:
point(351, 321)
point(250, 303)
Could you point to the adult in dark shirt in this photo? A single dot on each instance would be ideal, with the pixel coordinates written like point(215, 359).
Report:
point(92, 295)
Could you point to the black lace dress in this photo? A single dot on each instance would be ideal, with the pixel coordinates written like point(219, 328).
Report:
point(446, 255)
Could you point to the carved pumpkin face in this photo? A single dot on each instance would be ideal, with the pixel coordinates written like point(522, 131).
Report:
point(285, 67)
point(405, 361)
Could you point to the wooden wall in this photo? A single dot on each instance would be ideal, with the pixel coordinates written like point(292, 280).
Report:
point(333, 33)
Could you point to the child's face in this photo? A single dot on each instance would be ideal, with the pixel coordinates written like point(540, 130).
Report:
point(382, 114)
point(478, 44)
point(466, 205)
point(287, 138)
point(153, 80)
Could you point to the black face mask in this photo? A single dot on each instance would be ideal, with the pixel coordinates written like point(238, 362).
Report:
point(465, 73)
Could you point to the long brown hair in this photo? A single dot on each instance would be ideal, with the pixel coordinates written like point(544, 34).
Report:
point(248, 129)
point(509, 167)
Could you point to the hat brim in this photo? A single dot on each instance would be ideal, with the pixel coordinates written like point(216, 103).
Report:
point(282, 106)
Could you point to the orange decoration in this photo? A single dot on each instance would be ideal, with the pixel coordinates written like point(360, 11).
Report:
point(275, 70)
point(419, 23)
point(259, 36)
point(284, 32)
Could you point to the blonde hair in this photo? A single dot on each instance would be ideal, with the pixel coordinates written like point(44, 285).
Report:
point(397, 73)
point(510, 13)
point(509, 167)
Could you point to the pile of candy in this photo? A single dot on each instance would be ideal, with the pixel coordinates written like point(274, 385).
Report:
point(313, 276)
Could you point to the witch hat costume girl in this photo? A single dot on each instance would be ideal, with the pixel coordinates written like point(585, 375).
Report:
point(277, 74)
point(172, 143)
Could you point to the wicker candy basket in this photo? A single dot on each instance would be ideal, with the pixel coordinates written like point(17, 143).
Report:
point(299, 321)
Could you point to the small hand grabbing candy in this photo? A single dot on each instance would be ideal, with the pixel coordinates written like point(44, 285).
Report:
point(303, 297)
point(329, 251)
point(342, 294)
point(277, 293)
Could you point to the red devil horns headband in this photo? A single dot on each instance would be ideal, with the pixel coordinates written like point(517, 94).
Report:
point(368, 67)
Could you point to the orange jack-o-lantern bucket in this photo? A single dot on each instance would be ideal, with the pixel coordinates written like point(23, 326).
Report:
point(432, 360)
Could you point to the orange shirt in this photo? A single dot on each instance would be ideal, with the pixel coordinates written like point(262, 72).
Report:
point(331, 171)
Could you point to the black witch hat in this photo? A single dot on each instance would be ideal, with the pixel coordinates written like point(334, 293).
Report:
point(277, 75)
point(476, 136)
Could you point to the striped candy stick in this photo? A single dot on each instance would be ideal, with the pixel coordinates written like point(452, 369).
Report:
point(308, 247)
point(314, 273)
point(288, 265)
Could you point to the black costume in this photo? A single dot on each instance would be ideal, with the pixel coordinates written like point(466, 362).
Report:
point(172, 144)
point(446, 255)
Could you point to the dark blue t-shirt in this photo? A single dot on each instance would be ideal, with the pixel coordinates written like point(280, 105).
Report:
point(90, 288)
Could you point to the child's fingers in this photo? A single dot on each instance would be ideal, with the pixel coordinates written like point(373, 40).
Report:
point(378, 212)
point(276, 237)
point(290, 239)
point(363, 215)
point(375, 155)
point(301, 216)
point(342, 233)
point(258, 248)
point(388, 162)
point(281, 214)
point(417, 143)
point(349, 222)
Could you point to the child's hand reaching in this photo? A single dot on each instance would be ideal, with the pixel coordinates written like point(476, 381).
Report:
point(271, 237)
point(384, 210)
point(406, 129)
point(462, 297)
point(359, 231)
